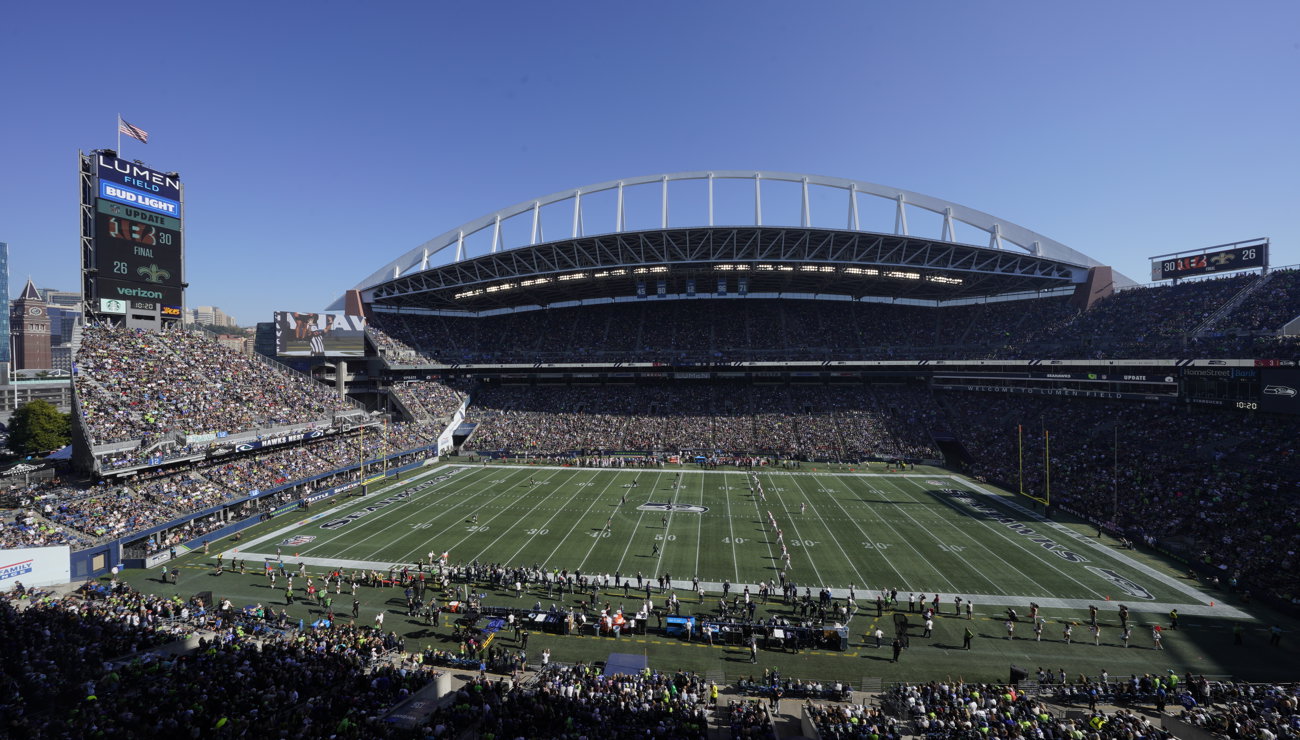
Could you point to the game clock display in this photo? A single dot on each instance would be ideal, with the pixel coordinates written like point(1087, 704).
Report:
point(1227, 260)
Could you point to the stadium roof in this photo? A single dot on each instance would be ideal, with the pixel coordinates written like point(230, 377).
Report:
point(757, 257)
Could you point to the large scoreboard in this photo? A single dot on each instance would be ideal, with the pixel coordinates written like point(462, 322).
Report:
point(1223, 258)
point(132, 239)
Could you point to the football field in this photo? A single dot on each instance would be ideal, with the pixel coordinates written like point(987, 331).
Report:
point(931, 533)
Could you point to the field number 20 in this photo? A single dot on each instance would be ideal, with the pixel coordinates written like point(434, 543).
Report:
point(876, 545)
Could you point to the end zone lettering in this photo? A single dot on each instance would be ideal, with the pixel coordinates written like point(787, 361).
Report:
point(345, 521)
point(1015, 525)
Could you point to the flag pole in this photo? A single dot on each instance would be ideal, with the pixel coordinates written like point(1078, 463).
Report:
point(119, 134)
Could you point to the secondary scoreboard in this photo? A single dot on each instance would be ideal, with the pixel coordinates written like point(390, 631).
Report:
point(1223, 258)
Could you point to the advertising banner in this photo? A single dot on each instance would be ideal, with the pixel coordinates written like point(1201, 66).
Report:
point(34, 566)
point(137, 177)
point(113, 208)
point(1279, 390)
point(138, 295)
point(126, 196)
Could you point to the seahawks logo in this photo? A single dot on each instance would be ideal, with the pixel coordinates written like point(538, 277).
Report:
point(666, 508)
point(298, 539)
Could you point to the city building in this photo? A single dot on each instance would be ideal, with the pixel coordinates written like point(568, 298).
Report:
point(5, 357)
point(210, 316)
point(234, 342)
point(66, 319)
point(29, 323)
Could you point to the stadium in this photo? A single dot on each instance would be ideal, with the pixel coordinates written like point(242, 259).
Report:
point(567, 467)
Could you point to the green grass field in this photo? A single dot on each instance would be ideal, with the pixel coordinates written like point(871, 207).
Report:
point(925, 531)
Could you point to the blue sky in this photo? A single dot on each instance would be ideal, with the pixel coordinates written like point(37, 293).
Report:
point(320, 140)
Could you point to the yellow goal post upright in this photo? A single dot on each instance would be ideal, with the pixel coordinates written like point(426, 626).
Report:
point(1046, 498)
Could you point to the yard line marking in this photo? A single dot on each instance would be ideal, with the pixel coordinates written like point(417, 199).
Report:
point(427, 538)
point(660, 562)
point(424, 499)
point(954, 526)
point(1077, 536)
point(341, 506)
point(619, 568)
point(509, 527)
point(767, 537)
point(888, 561)
point(699, 530)
point(908, 542)
point(493, 518)
point(576, 491)
point(830, 535)
point(1006, 536)
point(595, 540)
point(795, 527)
point(731, 527)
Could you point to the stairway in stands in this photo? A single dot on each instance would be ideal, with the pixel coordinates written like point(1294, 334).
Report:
point(1207, 326)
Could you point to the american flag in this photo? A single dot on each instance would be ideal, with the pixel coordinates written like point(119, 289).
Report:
point(134, 132)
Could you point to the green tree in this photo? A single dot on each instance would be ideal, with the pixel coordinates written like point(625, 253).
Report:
point(38, 427)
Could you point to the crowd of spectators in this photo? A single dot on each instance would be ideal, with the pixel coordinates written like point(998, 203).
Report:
point(1269, 712)
point(1219, 488)
point(56, 512)
point(24, 527)
point(72, 667)
point(145, 385)
point(106, 661)
point(1142, 322)
point(952, 710)
point(852, 722)
point(1268, 308)
point(847, 422)
point(431, 400)
point(579, 701)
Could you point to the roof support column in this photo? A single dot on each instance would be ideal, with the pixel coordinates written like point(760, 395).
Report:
point(577, 214)
point(537, 220)
point(900, 217)
point(947, 234)
point(995, 236)
point(853, 206)
point(806, 217)
point(710, 199)
point(663, 217)
point(758, 199)
point(618, 217)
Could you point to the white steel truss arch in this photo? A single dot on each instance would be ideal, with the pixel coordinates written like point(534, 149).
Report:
point(1002, 234)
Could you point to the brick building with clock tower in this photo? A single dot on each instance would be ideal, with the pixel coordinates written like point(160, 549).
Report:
point(29, 322)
